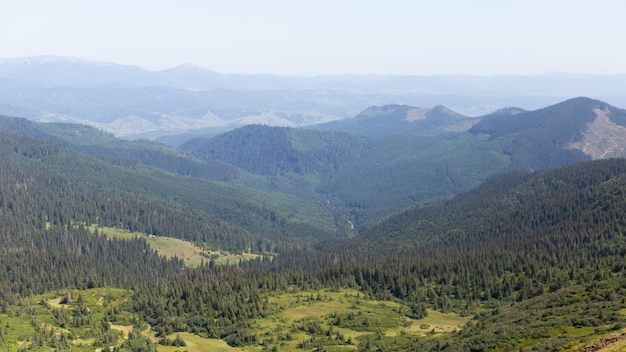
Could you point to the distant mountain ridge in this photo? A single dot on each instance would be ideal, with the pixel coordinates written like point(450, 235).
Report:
point(401, 119)
point(177, 103)
point(104, 146)
point(417, 227)
point(386, 159)
point(54, 71)
point(562, 133)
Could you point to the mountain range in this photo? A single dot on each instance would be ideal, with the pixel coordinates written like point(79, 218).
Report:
point(377, 217)
point(403, 229)
point(175, 104)
point(359, 170)
point(391, 157)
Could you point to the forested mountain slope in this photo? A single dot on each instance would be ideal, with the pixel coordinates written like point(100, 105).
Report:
point(45, 245)
point(366, 177)
point(536, 258)
point(272, 151)
point(140, 198)
point(542, 237)
point(526, 201)
point(105, 146)
point(392, 165)
point(540, 139)
point(362, 179)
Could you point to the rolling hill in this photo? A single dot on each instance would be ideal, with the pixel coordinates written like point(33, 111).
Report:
point(105, 146)
point(187, 100)
point(359, 179)
point(535, 260)
point(400, 119)
point(553, 240)
point(234, 217)
point(530, 259)
point(393, 163)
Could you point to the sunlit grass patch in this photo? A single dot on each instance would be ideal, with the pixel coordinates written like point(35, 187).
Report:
point(341, 320)
point(171, 247)
point(443, 322)
point(197, 344)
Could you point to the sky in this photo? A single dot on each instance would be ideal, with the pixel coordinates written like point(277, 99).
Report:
point(325, 37)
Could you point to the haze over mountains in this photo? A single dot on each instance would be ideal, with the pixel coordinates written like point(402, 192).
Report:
point(361, 161)
point(359, 170)
point(357, 213)
point(188, 100)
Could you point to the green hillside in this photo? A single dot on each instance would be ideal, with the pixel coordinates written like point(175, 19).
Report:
point(105, 146)
point(539, 139)
point(365, 177)
point(391, 167)
point(273, 151)
point(533, 260)
point(233, 216)
point(527, 260)
point(400, 119)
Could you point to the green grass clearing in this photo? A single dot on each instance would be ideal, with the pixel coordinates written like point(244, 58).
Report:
point(347, 316)
point(198, 344)
point(296, 321)
point(171, 247)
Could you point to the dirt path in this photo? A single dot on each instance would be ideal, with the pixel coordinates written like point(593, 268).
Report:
point(611, 343)
point(611, 148)
point(56, 303)
point(126, 329)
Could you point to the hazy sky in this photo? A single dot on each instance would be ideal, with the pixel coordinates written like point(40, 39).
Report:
point(310, 37)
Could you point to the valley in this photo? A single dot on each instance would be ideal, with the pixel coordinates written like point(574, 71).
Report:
point(399, 229)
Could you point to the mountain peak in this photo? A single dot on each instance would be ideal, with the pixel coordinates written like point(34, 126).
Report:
point(578, 101)
point(440, 110)
point(186, 67)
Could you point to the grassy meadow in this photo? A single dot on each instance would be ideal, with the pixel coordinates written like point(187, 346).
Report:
point(345, 320)
point(171, 247)
point(97, 319)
